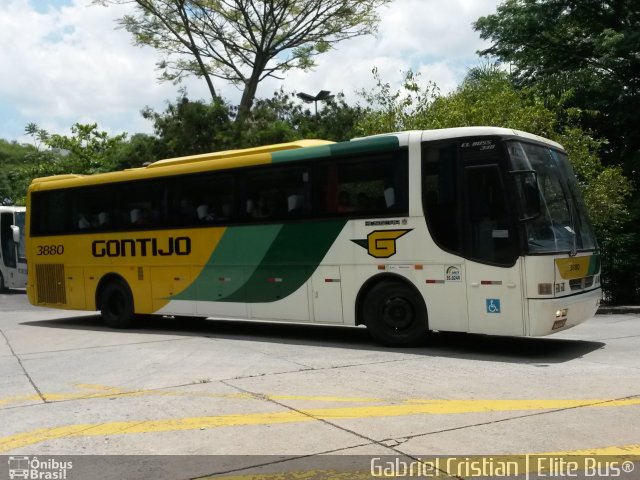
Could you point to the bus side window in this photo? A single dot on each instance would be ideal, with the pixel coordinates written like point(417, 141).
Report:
point(279, 192)
point(369, 185)
point(489, 235)
point(440, 194)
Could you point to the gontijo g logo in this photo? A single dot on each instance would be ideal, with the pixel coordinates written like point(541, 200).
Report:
point(381, 243)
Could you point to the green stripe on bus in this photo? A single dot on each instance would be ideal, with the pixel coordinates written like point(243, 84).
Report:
point(594, 265)
point(239, 252)
point(300, 154)
point(263, 263)
point(293, 257)
point(376, 144)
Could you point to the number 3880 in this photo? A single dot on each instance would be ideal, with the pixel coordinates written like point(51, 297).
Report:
point(50, 250)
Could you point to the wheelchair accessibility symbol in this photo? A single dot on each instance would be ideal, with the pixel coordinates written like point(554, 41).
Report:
point(493, 305)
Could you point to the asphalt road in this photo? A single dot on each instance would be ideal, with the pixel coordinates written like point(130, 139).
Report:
point(269, 397)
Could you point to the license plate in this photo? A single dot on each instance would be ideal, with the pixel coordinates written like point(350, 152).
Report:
point(559, 324)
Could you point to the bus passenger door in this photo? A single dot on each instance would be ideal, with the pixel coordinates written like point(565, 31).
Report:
point(493, 268)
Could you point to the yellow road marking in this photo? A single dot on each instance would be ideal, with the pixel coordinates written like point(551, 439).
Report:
point(108, 392)
point(434, 407)
point(104, 391)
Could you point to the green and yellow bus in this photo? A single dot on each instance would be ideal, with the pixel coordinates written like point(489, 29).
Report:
point(475, 229)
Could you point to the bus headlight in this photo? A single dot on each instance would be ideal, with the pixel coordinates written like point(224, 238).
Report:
point(561, 313)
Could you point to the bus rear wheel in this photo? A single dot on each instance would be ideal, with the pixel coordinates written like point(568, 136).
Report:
point(395, 314)
point(116, 305)
point(2, 286)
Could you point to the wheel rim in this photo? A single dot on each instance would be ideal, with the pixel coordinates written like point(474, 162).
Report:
point(398, 313)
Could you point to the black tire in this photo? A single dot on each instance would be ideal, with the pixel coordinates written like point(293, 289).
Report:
point(116, 305)
point(2, 287)
point(395, 314)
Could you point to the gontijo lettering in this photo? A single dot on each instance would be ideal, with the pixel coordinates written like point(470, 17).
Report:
point(142, 247)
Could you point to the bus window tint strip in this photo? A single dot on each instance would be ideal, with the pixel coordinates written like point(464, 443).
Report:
point(362, 185)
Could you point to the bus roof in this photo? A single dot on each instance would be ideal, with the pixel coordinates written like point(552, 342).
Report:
point(282, 152)
point(446, 133)
point(12, 208)
point(238, 153)
point(457, 132)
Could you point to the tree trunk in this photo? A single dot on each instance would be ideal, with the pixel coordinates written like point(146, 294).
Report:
point(250, 88)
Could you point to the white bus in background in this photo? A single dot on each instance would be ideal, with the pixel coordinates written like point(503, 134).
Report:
point(13, 261)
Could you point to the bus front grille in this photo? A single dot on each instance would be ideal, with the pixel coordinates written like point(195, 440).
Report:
point(581, 283)
point(50, 284)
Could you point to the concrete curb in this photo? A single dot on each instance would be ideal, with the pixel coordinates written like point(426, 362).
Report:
point(619, 309)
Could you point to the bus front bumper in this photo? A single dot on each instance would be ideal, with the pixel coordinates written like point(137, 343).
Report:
point(553, 315)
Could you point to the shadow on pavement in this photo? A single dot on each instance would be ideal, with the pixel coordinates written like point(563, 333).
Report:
point(523, 350)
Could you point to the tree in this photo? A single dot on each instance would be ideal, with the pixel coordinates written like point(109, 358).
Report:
point(393, 111)
point(244, 41)
point(589, 48)
point(87, 151)
point(189, 127)
point(282, 118)
point(138, 151)
point(12, 158)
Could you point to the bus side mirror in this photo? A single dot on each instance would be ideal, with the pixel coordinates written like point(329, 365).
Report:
point(528, 193)
point(15, 230)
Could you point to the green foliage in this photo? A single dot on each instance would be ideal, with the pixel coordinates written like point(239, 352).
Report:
point(139, 150)
point(189, 127)
point(392, 111)
point(585, 57)
point(282, 118)
point(12, 156)
point(86, 151)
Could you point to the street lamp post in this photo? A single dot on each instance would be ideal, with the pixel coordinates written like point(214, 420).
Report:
point(323, 95)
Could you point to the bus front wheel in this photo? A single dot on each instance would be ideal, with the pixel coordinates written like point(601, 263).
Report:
point(395, 314)
point(116, 305)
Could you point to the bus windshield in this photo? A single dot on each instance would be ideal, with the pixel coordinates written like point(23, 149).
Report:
point(562, 224)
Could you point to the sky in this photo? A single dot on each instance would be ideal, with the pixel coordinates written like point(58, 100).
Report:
point(66, 61)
